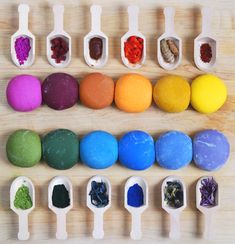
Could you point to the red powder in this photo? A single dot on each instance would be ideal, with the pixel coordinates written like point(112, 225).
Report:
point(59, 47)
point(206, 52)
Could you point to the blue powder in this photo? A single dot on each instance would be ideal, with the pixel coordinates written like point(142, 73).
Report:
point(135, 196)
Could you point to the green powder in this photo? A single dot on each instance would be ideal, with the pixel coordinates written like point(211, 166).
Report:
point(22, 198)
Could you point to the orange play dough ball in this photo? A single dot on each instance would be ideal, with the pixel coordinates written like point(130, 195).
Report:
point(133, 93)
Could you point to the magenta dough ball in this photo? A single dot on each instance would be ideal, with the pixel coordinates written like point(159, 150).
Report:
point(24, 93)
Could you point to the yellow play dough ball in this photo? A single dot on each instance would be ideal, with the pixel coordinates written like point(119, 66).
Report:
point(133, 93)
point(208, 93)
point(172, 93)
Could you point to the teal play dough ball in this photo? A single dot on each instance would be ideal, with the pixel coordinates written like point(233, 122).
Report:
point(24, 148)
point(99, 150)
point(60, 149)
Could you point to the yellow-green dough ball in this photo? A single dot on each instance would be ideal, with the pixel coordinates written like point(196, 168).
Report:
point(172, 93)
point(208, 93)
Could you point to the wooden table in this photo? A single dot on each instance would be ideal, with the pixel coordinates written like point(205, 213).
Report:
point(83, 120)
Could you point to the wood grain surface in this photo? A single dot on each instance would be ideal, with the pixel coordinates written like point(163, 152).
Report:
point(155, 222)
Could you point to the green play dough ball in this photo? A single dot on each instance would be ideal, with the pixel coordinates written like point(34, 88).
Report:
point(60, 149)
point(24, 148)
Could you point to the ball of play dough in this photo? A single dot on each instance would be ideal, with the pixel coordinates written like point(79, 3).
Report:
point(60, 149)
point(210, 149)
point(136, 150)
point(96, 90)
point(99, 150)
point(208, 93)
point(172, 93)
point(173, 150)
point(133, 93)
point(24, 148)
point(24, 93)
point(60, 91)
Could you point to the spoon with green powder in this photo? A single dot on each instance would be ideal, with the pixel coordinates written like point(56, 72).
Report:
point(22, 202)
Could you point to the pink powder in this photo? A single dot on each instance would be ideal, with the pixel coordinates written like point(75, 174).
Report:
point(22, 48)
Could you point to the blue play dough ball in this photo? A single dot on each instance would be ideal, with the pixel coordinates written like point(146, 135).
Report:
point(173, 150)
point(210, 150)
point(99, 150)
point(136, 150)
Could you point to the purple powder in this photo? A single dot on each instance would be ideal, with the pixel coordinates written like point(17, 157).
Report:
point(22, 48)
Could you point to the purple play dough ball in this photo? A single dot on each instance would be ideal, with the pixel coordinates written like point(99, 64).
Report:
point(210, 150)
point(24, 93)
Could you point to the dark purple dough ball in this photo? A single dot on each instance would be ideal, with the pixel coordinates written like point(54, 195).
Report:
point(60, 91)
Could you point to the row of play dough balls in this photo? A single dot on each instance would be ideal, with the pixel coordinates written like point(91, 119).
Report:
point(132, 93)
point(136, 150)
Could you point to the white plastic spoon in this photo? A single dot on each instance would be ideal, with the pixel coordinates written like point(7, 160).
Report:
point(136, 232)
point(171, 35)
point(23, 233)
point(96, 11)
point(61, 233)
point(58, 31)
point(174, 212)
point(23, 31)
point(133, 12)
point(98, 231)
point(208, 212)
point(205, 37)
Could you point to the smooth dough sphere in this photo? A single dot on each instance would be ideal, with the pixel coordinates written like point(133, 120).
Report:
point(96, 90)
point(99, 150)
point(133, 93)
point(173, 150)
point(136, 150)
point(60, 91)
point(172, 93)
point(208, 93)
point(24, 93)
point(60, 149)
point(24, 148)
point(210, 150)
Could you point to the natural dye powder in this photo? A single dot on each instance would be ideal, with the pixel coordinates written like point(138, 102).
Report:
point(96, 48)
point(208, 192)
point(174, 194)
point(22, 49)
point(135, 196)
point(98, 194)
point(22, 198)
point(60, 196)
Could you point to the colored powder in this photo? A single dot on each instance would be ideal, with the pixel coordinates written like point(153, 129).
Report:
point(206, 52)
point(22, 48)
point(60, 196)
point(59, 48)
point(98, 193)
point(135, 196)
point(22, 198)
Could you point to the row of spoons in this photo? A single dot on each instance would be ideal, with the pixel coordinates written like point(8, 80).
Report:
point(133, 11)
point(136, 212)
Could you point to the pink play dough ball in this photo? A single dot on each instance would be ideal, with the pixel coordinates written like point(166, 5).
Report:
point(24, 93)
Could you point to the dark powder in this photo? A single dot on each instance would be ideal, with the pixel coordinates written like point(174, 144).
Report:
point(98, 194)
point(60, 196)
point(135, 196)
point(96, 48)
point(174, 195)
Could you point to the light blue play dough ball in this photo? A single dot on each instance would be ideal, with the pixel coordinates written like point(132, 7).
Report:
point(136, 150)
point(174, 150)
point(99, 150)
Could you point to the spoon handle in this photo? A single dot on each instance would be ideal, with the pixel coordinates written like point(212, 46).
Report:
point(208, 225)
point(98, 232)
point(169, 20)
point(96, 11)
point(58, 11)
point(23, 10)
point(206, 20)
point(61, 233)
point(175, 226)
point(136, 232)
point(133, 12)
point(23, 233)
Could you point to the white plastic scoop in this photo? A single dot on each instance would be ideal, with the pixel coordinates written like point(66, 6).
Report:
point(136, 232)
point(133, 12)
point(23, 31)
point(58, 31)
point(23, 233)
point(96, 11)
point(169, 35)
point(174, 212)
point(207, 211)
point(61, 233)
point(205, 37)
point(98, 231)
